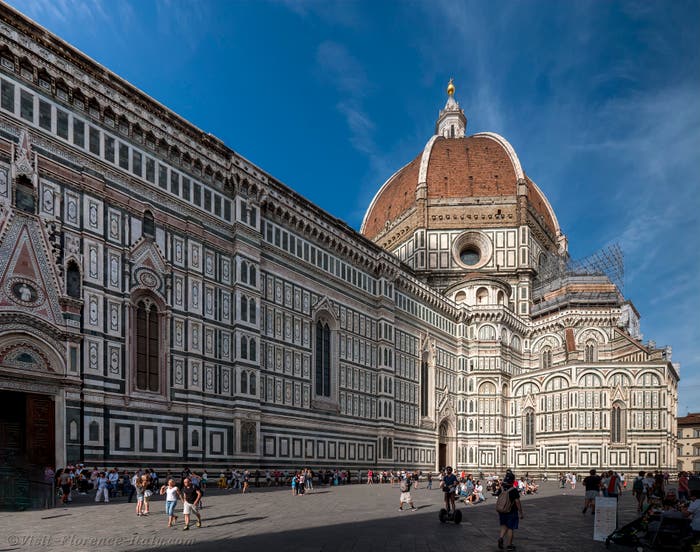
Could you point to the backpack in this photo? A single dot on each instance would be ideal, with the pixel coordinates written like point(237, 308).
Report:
point(504, 504)
point(638, 486)
point(405, 485)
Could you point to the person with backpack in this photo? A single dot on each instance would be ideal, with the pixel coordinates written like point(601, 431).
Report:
point(405, 498)
point(510, 511)
point(614, 485)
point(638, 490)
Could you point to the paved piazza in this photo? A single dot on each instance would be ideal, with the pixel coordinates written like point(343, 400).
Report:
point(354, 518)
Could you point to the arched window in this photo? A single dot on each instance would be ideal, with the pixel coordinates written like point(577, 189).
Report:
point(487, 333)
point(460, 297)
point(617, 424)
point(323, 359)
point(424, 396)
point(590, 354)
point(529, 428)
point(252, 276)
point(244, 272)
point(244, 347)
point(248, 437)
point(252, 384)
point(149, 225)
point(482, 296)
point(94, 431)
point(147, 346)
point(546, 357)
point(73, 280)
point(244, 382)
point(252, 313)
point(252, 350)
point(24, 195)
point(244, 308)
point(501, 298)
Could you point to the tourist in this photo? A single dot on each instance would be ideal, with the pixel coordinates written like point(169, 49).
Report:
point(246, 481)
point(191, 497)
point(592, 485)
point(102, 488)
point(614, 486)
point(405, 497)
point(140, 487)
point(509, 519)
point(172, 493)
point(638, 490)
point(370, 475)
point(449, 485)
point(66, 483)
point(693, 511)
point(683, 487)
point(147, 494)
point(430, 481)
point(573, 481)
point(478, 493)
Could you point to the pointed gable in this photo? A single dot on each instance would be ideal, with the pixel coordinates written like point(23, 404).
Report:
point(28, 281)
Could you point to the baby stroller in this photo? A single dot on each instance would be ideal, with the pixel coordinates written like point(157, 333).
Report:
point(653, 532)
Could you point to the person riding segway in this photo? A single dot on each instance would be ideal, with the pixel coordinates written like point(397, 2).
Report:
point(449, 484)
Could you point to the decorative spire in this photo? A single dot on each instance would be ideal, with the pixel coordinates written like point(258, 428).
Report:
point(451, 123)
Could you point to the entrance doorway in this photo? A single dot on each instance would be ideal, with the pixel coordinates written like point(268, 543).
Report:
point(27, 430)
point(27, 446)
point(442, 445)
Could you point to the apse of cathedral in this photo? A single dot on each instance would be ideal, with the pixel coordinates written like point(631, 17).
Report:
point(165, 301)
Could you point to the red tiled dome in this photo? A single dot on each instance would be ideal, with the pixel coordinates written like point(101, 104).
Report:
point(480, 166)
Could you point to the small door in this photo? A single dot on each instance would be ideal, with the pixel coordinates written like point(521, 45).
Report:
point(442, 455)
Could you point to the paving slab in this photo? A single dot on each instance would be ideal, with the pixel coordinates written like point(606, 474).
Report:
point(354, 518)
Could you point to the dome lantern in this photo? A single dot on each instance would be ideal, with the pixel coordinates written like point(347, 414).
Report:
point(451, 122)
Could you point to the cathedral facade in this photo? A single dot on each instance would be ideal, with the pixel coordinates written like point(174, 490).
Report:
point(164, 301)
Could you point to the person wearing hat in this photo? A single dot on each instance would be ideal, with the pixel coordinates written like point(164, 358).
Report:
point(509, 520)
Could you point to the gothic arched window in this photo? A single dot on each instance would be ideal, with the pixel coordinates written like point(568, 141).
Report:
point(149, 225)
point(244, 347)
point(248, 437)
point(244, 382)
point(73, 280)
point(529, 428)
point(252, 350)
point(546, 357)
point(24, 195)
point(244, 308)
point(252, 384)
point(424, 395)
point(323, 359)
point(617, 424)
point(590, 354)
point(147, 346)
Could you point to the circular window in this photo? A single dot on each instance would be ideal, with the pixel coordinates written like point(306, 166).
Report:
point(470, 255)
point(472, 250)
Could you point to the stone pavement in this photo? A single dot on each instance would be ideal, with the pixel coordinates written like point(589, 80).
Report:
point(355, 518)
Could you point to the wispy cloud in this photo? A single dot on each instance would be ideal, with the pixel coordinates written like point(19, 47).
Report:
point(64, 11)
point(188, 20)
point(347, 75)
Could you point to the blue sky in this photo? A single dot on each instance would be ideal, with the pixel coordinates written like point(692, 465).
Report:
point(601, 101)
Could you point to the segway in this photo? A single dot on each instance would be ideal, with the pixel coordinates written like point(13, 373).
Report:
point(454, 516)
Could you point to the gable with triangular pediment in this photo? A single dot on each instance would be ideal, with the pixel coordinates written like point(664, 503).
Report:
point(149, 266)
point(28, 280)
point(324, 304)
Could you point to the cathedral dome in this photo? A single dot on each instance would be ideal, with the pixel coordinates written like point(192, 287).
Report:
point(458, 181)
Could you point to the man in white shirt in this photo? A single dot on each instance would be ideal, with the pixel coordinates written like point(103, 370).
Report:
point(693, 512)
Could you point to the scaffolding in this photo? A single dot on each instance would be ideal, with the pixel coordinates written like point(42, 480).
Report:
point(608, 261)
